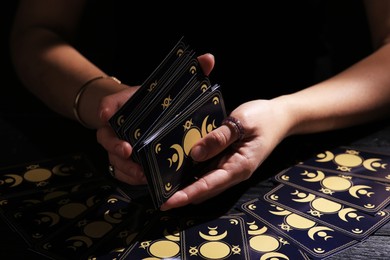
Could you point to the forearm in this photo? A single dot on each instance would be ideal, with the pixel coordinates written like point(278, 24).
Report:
point(54, 71)
point(359, 94)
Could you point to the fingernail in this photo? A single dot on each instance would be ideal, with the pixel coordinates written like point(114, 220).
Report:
point(198, 153)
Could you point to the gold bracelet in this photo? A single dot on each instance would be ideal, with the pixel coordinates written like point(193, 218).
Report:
point(81, 91)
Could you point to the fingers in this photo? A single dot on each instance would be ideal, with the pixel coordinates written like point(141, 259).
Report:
point(119, 152)
point(206, 62)
point(109, 140)
point(111, 103)
point(127, 170)
point(218, 140)
point(211, 184)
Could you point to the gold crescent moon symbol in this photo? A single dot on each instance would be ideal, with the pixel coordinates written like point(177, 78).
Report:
point(257, 232)
point(357, 231)
point(252, 206)
point(273, 255)
point(325, 157)
point(369, 162)
point(359, 188)
point(204, 127)
point(16, 178)
point(343, 213)
point(180, 152)
point(320, 176)
point(318, 229)
point(175, 236)
point(203, 87)
point(193, 69)
point(309, 197)
point(157, 148)
point(137, 133)
point(282, 212)
point(53, 216)
point(319, 250)
point(213, 237)
point(120, 120)
point(57, 170)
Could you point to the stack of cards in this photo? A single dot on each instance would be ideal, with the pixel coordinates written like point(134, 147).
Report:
point(329, 202)
point(173, 109)
point(234, 236)
point(65, 209)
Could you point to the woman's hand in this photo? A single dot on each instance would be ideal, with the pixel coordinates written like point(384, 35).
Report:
point(264, 124)
point(119, 151)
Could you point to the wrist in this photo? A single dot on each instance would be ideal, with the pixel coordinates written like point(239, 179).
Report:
point(88, 97)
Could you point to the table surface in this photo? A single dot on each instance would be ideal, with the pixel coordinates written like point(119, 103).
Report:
point(27, 136)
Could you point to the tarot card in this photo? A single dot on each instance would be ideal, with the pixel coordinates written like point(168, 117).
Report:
point(221, 238)
point(113, 247)
point(46, 174)
point(166, 95)
point(348, 220)
point(159, 240)
point(317, 240)
point(190, 92)
point(37, 222)
point(365, 195)
point(150, 84)
point(8, 206)
point(355, 162)
point(165, 154)
point(82, 237)
point(265, 243)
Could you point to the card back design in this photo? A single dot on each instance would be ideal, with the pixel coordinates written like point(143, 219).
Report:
point(366, 195)
point(351, 221)
point(317, 240)
point(46, 174)
point(221, 238)
point(352, 161)
point(166, 152)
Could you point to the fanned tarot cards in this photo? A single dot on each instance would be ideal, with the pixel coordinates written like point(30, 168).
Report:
point(174, 108)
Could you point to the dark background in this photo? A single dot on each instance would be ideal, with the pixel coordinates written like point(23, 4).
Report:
point(258, 55)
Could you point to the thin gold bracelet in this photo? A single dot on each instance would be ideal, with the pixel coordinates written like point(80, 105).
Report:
point(81, 91)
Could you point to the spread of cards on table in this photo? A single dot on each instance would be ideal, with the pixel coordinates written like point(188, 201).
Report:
point(65, 208)
point(174, 107)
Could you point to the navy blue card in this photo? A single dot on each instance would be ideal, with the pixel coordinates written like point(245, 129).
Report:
point(37, 222)
point(265, 243)
point(8, 206)
point(97, 225)
point(350, 221)
point(355, 162)
point(165, 153)
point(363, 194)
point(168, 92)
point(159, 240)
point(151, 84)
point(317, 240)
point(40, 175)
point(221, 238)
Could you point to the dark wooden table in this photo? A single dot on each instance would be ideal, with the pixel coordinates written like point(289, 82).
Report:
point(33, 134)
